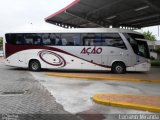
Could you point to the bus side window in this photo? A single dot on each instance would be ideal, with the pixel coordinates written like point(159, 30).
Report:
point(19, 39)
point(47, 41)
point(37, 39)
point(58, 41)
point(64, 41)
point(53, 39)
point(70, 39)
point(29, 41)
point(76, 39)
point(91, 39)
point(87, 41)
point(113, 40)
point(45, 38)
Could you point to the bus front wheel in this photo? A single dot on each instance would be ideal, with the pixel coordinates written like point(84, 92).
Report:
point(118, 68)
point(34, 65)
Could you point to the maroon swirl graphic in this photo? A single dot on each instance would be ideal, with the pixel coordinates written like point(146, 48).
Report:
point(57, 61)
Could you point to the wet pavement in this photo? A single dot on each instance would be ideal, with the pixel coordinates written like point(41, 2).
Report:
point(75, 94)
point(35, 95)
point(24, 98)
point(152, 75)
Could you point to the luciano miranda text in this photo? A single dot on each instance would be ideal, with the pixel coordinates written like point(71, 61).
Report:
point(139, 116)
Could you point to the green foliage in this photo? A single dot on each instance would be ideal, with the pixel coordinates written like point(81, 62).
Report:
point(155, 63)
point(1, 42)
point(149, 36)
point(158, 50)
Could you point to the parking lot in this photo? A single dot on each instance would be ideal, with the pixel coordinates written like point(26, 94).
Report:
point(75, 94)
point(22, 97)
point(25, 92)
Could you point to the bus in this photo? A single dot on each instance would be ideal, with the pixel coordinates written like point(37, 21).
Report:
point(104, 49)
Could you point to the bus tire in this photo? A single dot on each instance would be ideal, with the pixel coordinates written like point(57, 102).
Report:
point(34, 65)
point(118, 68)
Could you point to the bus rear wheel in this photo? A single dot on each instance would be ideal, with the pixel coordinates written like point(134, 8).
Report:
point(34, 65)
point(118, 68)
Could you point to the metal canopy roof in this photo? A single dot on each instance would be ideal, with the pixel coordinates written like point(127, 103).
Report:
point(104, 13)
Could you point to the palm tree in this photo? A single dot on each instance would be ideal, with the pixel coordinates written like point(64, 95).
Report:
point(149, 36)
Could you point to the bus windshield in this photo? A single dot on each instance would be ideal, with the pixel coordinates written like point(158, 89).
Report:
point(139, 47)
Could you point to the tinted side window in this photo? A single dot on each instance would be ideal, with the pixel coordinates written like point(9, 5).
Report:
point(136, 36)
point(29, 39)
point(15, 38)
point(54, 38)
point(46, 39)
point(132, 42)
point(91, 39)
point(10, 38)
point(37, 39)
point(113, 40)
point(69, 39)
point(20, 39)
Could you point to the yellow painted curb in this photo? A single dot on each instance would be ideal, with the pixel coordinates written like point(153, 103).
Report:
point(98, 99)
point(103, 78)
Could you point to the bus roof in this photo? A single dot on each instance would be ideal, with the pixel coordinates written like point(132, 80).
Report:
point(82, 30)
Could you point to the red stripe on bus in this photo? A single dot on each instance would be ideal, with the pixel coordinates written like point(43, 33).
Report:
point(12, 49)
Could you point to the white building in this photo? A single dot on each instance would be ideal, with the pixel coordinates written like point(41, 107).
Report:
point(153, 45)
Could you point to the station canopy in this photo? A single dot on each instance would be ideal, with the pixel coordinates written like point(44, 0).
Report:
point(130, 14)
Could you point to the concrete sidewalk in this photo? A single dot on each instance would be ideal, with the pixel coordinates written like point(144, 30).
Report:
point(140, 102)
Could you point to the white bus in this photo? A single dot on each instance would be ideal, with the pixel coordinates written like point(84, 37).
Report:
point(102, 49)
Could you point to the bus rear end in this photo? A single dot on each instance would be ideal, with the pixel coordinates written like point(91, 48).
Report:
point(11, 57)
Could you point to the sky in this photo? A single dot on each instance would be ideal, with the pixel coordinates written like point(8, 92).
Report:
point(25, 15)
point(17, 15)
point(154, 30)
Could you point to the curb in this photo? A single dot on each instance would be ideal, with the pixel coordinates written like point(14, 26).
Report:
point(98, 98)
point(103, 78)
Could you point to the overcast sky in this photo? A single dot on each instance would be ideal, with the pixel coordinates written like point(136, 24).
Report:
point(28, 14)
point(18, 15)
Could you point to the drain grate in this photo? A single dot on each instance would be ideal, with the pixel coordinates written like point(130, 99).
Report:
point(14, 93)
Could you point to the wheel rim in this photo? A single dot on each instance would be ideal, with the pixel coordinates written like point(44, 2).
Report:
point(35, 66)
point(119, 69)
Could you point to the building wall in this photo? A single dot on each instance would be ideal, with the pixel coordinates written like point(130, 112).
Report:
point(154, 54)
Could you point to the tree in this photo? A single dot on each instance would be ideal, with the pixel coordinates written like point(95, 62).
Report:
point(149, 36)
point(1, 43)
point(158, 50)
